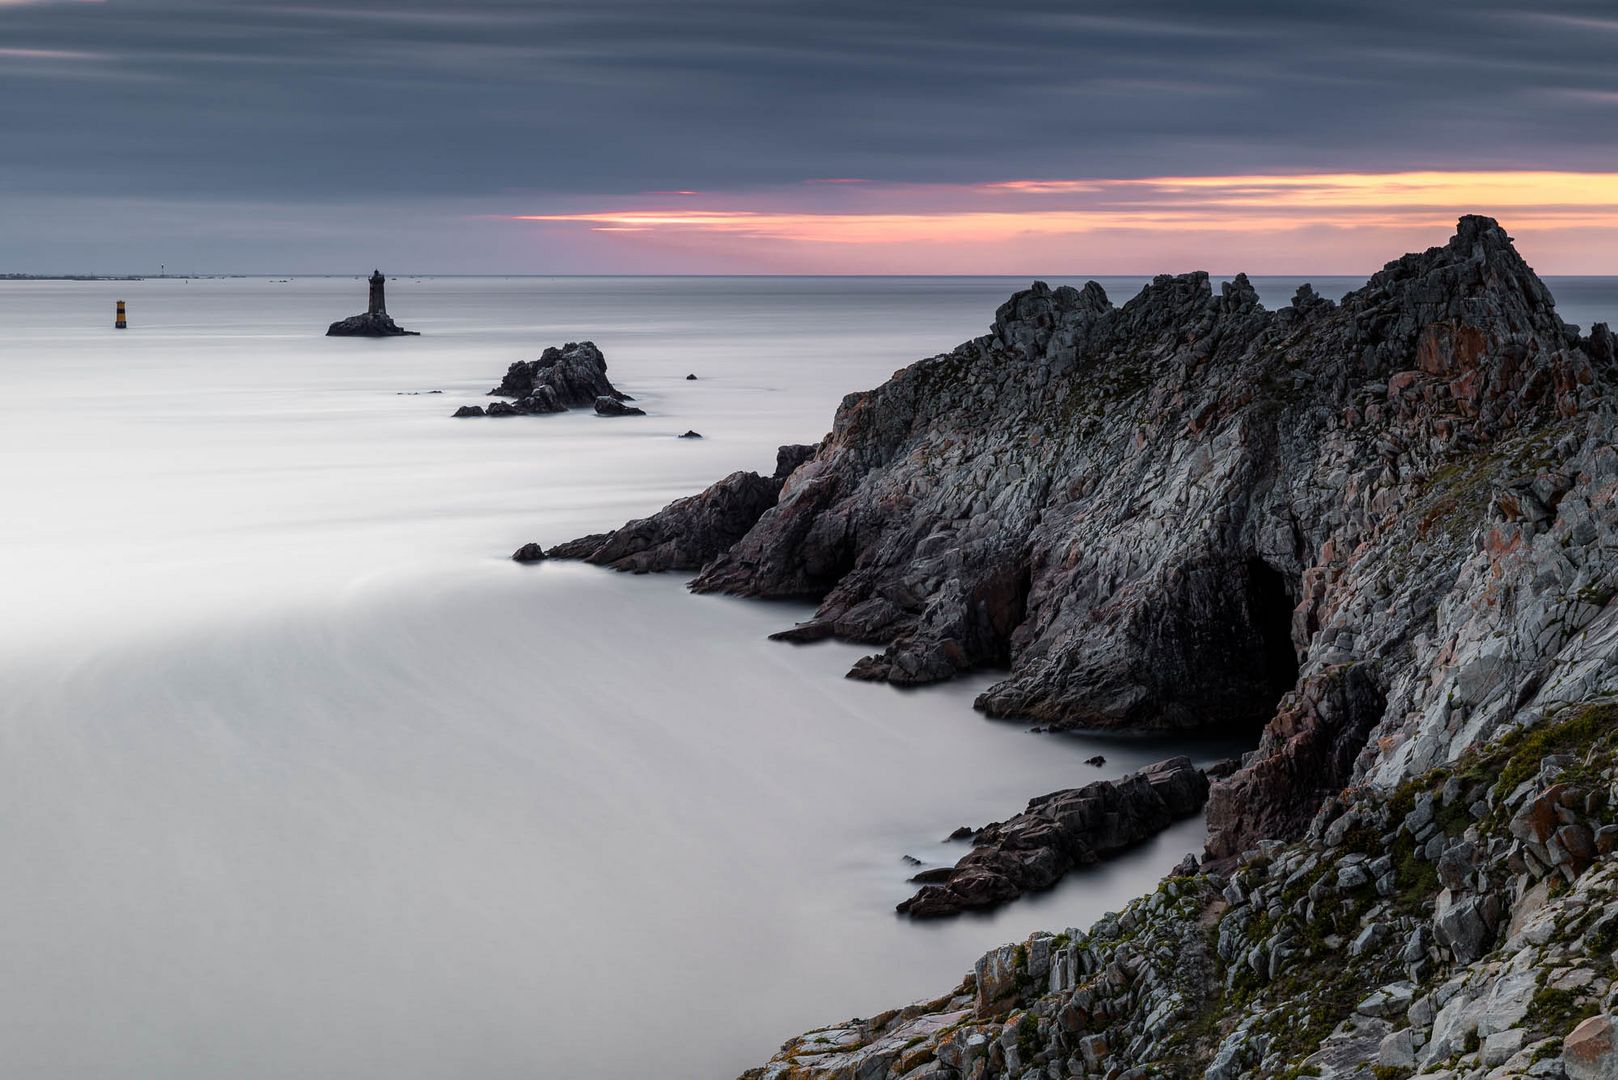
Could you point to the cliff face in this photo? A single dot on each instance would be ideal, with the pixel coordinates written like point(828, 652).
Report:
point(1384, 526)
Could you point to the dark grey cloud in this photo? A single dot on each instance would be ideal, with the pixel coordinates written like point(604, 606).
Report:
point(407, 98)
point(248, 134)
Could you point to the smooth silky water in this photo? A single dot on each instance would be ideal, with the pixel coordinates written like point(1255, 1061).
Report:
point(301, 776)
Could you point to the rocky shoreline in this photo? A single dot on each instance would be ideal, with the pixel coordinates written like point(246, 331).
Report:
point(1382, 531)
point(1463, 926)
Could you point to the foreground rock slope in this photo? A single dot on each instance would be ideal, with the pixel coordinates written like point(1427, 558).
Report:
point(1463, 926)
point(1383, 527)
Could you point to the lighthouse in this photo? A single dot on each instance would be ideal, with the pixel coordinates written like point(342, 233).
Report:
point(375, 322)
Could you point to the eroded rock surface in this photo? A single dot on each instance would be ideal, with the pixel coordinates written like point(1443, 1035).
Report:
point(1059, 831)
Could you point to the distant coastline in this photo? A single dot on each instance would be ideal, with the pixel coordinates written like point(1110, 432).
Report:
point(72, 277)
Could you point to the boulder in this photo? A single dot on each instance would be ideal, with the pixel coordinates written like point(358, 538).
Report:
point(1590, 1051)
point(528, 553)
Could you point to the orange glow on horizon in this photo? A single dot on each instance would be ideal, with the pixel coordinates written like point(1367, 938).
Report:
point(1116, 216)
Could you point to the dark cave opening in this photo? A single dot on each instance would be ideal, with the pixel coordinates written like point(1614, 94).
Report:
point(1269, 609)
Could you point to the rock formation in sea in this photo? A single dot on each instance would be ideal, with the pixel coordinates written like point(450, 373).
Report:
point(1381, 534)
point(1057, 832)
point(375, 322)
point(571, 377)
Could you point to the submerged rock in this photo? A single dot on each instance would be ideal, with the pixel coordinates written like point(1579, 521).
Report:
point(691, 435)
point(1058, 832)
point(469, 410)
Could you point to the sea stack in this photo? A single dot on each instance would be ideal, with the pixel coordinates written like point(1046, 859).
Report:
point(375, 322)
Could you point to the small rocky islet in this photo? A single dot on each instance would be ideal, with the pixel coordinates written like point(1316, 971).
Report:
point(572, 376)
point(1380, 532)
point(375, 321)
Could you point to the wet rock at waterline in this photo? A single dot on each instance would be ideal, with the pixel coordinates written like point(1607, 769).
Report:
point(529, 553)
point(689, 532)
point(1058, 832)
point(607, 405)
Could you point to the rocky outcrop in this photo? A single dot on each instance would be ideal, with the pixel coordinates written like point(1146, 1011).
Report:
point(1384, 527)
point(571, 377)
point(1460, 927)
point(369, 324)
point(1058, 832)
point(688, 533)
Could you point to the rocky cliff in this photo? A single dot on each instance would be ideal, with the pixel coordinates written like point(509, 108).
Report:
point(1378, 529)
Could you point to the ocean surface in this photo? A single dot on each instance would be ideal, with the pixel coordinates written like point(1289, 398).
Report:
point(301, 776)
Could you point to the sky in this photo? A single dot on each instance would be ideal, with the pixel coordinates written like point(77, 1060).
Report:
point(790, 136)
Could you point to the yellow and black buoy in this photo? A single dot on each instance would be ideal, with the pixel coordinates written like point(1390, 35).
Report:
point(122, 323)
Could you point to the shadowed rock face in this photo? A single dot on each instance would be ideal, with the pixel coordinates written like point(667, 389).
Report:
point(1386, 524)
point(1059, 831)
